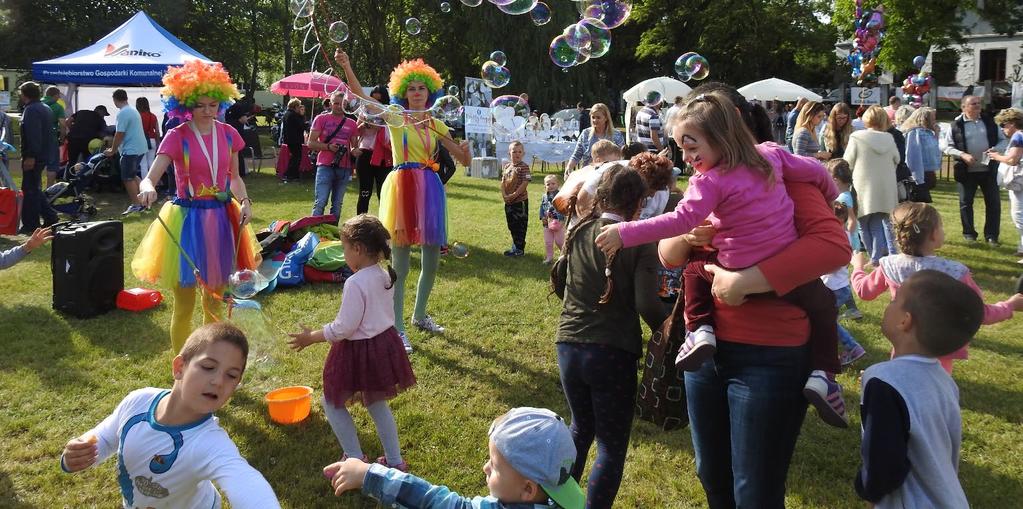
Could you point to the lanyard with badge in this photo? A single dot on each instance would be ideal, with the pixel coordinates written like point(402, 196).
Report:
point(222, 196)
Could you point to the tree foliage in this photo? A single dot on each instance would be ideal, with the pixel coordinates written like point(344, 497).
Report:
point(913, 27)
point(744, 40)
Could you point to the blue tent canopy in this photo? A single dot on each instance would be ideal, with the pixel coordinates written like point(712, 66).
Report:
point(136, 53)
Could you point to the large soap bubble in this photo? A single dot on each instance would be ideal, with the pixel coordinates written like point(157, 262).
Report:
point(413, 26)
point(561, 52)
point(517, 7)
point(302, 8)
point(447, 108)
point(541, 14)
point(494, 74)
point(501, 2)
point(338, 31)
point(653, 98)
point(394, 115)
point(499, 57)
point(692, 66)
point(600, 37)
point(244, 284)
point(612, 12)
point(472, 3)
point(577, 36)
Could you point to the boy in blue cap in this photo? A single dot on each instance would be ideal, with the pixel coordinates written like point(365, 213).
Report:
point(531, 457)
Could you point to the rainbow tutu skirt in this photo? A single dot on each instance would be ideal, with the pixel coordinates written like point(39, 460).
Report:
point(413, 207)
point(206, 230)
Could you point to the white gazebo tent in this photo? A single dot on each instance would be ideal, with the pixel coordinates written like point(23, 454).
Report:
point(670, 88)
point(774, 89)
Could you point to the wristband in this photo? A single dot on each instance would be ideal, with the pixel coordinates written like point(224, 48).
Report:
point(246, 199)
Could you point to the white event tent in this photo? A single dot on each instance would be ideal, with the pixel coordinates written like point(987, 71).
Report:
point(774, 89)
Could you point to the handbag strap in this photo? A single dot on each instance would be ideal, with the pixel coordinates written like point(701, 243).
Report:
point(337, 129)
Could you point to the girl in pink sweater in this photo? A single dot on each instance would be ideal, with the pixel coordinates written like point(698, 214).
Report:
point(737, 187)
point(919, 233)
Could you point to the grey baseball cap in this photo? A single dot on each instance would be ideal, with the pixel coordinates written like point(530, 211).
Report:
point(537, 443)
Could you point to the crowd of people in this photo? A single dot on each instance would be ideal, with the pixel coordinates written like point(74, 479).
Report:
point(758, 248)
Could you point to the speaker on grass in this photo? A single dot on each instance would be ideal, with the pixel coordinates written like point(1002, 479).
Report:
point(88, 267)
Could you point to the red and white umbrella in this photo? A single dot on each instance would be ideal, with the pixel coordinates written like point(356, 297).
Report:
point(308, 84)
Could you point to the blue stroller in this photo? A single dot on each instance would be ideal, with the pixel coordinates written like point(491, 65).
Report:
point(68, 196)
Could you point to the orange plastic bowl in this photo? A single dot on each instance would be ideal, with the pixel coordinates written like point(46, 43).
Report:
point(289, 405)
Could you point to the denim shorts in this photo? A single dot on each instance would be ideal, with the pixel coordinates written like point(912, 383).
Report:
point(130, 166)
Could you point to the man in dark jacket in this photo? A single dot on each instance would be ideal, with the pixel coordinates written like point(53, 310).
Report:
point(38, 141)
point(972, 134)
point(85, 125)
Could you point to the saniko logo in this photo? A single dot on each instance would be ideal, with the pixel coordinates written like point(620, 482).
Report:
point(113, 51)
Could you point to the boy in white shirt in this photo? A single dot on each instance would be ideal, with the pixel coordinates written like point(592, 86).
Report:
point(169, 445)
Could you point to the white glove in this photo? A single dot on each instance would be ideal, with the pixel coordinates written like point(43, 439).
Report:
point(147, 193)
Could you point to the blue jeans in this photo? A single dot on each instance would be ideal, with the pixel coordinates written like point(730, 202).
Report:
point(330, 181)
point(746, 407)
point(878, 237)
point(844, 296)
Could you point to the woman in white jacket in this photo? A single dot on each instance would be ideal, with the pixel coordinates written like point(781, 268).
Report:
point(873, 156)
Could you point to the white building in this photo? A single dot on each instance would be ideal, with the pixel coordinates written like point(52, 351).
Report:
point(986, 55)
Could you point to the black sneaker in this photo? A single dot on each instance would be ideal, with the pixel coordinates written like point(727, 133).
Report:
point(514, 252)
point(992, 241)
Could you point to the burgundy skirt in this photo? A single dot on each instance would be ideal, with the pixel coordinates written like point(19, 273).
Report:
point(367, 370)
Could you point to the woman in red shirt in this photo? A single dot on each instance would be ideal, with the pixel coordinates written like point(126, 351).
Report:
point(746, 405)
point(151, 127)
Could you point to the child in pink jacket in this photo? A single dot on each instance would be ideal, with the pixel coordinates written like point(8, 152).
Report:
point(738, 187)
point(919, 233)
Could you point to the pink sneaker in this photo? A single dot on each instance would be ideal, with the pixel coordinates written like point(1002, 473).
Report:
point(403, 466)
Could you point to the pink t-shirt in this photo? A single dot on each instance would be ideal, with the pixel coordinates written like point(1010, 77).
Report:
point(753, 217)
point(191, 166)
point(326, 123)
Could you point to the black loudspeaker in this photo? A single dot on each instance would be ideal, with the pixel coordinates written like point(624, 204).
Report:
point(88, 267)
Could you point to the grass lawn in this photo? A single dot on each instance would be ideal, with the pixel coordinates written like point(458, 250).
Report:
point(59, 376)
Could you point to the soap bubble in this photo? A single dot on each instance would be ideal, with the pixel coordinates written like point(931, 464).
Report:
point(394, 115)
point(499, 57)
point(413, 26)
point(600, 37)
point(445, 7)
point(459, 250)
point(453, 90)
point(612, 12)
point(653, 98)
point(338, 31)
point(541, 14)
point(561, 52)
point(517, 7)
point(501, 2)
point(577, 36)
point(512, 101)
point(302, 8)
point(494, 74)
point(698, 67)
point(447, 108)
point(681, 69)
point(244, 283)
point(472, 3)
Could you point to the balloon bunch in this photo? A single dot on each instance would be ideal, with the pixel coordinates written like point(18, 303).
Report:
point(916, 85)
point(591, 36)
point(692, 66)
point(870, 29)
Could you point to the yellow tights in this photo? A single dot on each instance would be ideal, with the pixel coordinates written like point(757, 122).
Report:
point(181, 317)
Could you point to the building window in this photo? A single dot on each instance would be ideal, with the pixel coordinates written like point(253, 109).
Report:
point(992, 64)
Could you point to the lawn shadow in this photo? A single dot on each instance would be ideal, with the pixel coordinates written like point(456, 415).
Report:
point(8, 497)
point(986, 488)
point(41, 342)
point(996, 346)
point(121, 332)
point(990, 399)
point(541, 389)
point(486, 265)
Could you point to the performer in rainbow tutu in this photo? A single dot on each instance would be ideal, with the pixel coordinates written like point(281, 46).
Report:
point(201, 237)
point(413, 206)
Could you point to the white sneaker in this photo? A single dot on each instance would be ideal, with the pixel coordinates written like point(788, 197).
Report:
point(405, 342)
point(426, 324)
point(699, 346)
